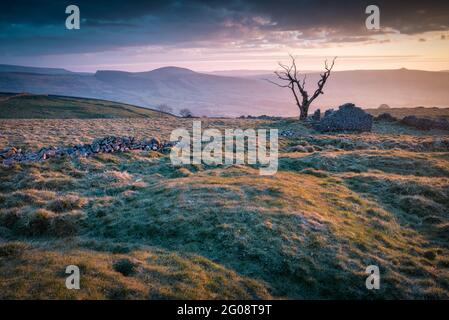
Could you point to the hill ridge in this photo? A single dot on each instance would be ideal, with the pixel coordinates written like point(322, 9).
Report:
point(42, 106)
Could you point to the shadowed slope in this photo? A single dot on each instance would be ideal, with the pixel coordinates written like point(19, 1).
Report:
point(30, 106)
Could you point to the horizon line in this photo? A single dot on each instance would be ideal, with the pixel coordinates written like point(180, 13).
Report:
point(213, 71)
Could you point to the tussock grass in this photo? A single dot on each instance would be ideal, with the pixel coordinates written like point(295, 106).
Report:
point(158, 274)
point(140, 228)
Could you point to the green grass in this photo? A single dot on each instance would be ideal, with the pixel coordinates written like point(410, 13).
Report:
point(30, 106)
point(140, 228)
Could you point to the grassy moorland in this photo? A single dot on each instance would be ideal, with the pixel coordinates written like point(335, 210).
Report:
point(140, 228)
point(33, 106)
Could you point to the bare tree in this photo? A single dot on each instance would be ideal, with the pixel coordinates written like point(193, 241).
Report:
point(291, 76)
point(185, 113)
point(163, 107)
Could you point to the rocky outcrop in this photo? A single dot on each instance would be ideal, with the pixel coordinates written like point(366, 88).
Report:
point(425, 123)
point(386, 117)
point(109, 144)
point(328, 112)
point(316, 115)
point(348, 117)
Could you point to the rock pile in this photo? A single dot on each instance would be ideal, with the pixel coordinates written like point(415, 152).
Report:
point(425, 124)
point(287, 133)
point(328, 112)
point(348, 117)
point(316, 115)
point(104, 145)
point(385, 117)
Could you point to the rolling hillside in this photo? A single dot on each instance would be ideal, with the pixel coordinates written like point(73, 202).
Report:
point(225, 95)
point(31, 106)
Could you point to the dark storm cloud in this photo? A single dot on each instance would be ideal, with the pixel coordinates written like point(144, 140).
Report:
point(406, 16)
point(35, 27)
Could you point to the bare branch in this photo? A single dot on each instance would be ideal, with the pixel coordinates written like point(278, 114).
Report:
point(294, 67)
point(277, 84)
point(282, 76)
point(323, 78)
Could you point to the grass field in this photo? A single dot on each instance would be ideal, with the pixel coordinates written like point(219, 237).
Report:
point(140, 228)
point(31, 106)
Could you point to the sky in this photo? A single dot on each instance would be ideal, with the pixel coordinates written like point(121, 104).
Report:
point(225, 35)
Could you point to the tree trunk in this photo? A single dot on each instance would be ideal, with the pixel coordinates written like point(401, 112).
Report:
point(303, 111)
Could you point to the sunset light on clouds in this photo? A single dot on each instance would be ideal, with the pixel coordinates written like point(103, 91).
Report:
point(211, 35)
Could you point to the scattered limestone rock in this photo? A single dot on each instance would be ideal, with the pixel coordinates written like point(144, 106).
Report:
point(287, 133)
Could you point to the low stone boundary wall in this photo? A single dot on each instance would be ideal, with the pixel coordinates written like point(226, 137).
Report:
point(109, 144)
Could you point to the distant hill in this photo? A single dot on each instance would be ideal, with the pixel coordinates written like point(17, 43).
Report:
point(23, 69)
point(240, 73)
point(32, 106)
point(180, 88)
point(218, 95)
